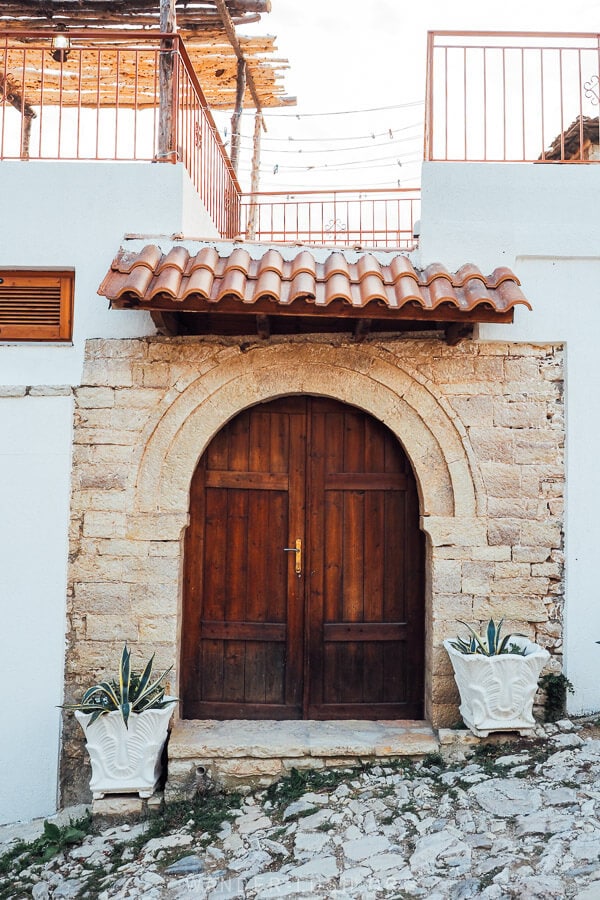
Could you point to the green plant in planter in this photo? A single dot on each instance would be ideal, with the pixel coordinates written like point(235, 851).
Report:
point(131, 693)
point(488, 645)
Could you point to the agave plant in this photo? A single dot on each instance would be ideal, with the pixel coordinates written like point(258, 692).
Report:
point(490, 645)
point(131, 693)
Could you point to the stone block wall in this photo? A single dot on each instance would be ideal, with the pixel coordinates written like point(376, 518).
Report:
point(483, 424)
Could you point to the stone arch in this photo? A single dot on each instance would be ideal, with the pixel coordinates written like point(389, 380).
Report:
point(358, 376)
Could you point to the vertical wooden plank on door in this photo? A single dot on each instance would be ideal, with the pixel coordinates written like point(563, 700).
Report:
point(296, 408)
point(350, 653)
point(317, 553)
point(276, 674)
point(373, 670)
point(236, 553)
point(257, 584)
point(214, 590)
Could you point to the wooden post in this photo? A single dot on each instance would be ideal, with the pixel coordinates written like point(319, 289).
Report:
point(237, 113)
point(254, 178)
point(12, 93)
point(167, 152)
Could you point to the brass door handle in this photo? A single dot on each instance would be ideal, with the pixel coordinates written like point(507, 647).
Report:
point(298, 551)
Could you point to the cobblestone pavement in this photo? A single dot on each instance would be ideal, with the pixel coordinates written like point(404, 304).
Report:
point(508, 821)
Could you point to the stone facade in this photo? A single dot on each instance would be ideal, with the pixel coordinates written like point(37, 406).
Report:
point(482, 423)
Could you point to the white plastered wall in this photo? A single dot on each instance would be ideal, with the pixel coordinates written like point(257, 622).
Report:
point(35, 454)
point(62, 216)
point(542, 221)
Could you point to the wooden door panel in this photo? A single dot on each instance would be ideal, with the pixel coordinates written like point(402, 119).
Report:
point(366, 658)
point(240, 598)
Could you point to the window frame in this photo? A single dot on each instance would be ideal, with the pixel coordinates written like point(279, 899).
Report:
point(37, 331)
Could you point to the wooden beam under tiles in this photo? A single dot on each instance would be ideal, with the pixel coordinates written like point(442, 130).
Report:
point(339, 309)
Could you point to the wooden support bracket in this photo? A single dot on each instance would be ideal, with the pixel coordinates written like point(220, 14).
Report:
point(362, 327)
point(455, 332)
point(263, 326)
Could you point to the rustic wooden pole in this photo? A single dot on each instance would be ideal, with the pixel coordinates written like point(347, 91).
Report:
point(237, 113)
point(254, 178)
point(233, 40)
point(13, 94)
point(167, 152)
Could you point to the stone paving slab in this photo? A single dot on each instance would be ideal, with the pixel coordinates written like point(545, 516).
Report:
point(297, 739)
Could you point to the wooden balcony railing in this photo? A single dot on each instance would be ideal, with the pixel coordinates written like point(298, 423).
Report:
point(512, 96)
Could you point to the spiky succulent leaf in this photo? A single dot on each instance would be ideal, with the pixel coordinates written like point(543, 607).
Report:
point(476, 640)
point(125, 679)
point(155, 690)
point(493, 636)
point(490, 645)
point(141, 686)
point(104, 693)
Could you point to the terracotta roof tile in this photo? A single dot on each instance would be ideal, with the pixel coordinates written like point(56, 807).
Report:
point(149, 277)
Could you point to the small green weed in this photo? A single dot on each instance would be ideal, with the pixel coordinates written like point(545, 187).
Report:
point(488, 879)
point(49, 844)
point(434, 759)
point(53, 839)
point(283, 792)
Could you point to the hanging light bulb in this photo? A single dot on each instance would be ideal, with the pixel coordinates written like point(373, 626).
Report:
point(61, 44)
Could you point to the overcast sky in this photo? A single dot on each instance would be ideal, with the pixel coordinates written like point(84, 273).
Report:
point(349, 55)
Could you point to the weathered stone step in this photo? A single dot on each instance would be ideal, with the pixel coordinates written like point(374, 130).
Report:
point(256, 752)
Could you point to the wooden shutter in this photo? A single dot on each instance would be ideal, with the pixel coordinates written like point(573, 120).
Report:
point(36, 306)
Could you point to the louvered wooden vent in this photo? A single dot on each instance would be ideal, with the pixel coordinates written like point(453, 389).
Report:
point(36, 306)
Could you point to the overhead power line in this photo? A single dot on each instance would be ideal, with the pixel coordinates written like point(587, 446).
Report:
point(340, 150)
point(328, 139)
point(344, 112)
point(353, 166)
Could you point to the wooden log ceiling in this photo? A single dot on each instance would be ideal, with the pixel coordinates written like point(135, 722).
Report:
point(205, 30)
point(194, 15)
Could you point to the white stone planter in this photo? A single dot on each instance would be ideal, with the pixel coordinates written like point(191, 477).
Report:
point(125, 760)
point(497, 692)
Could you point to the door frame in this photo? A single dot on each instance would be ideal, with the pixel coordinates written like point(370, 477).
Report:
point(304, 516)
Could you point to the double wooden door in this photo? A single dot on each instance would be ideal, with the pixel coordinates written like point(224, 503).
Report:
point(303, 589)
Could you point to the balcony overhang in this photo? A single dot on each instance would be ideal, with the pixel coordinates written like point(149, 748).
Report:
point(229, 288)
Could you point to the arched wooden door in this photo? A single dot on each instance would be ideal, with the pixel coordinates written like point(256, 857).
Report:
point(331, 627)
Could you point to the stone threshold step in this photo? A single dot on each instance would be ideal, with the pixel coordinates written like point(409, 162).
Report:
point(295, 739)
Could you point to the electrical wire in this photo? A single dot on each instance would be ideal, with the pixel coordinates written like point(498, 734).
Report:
point(406, 140)
point(314, 169)
point(343, 112)
point(326, 139)
point(388, 160)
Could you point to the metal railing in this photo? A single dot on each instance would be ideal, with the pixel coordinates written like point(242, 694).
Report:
point(103, 102)
point(375, 217)
point(512, 96)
